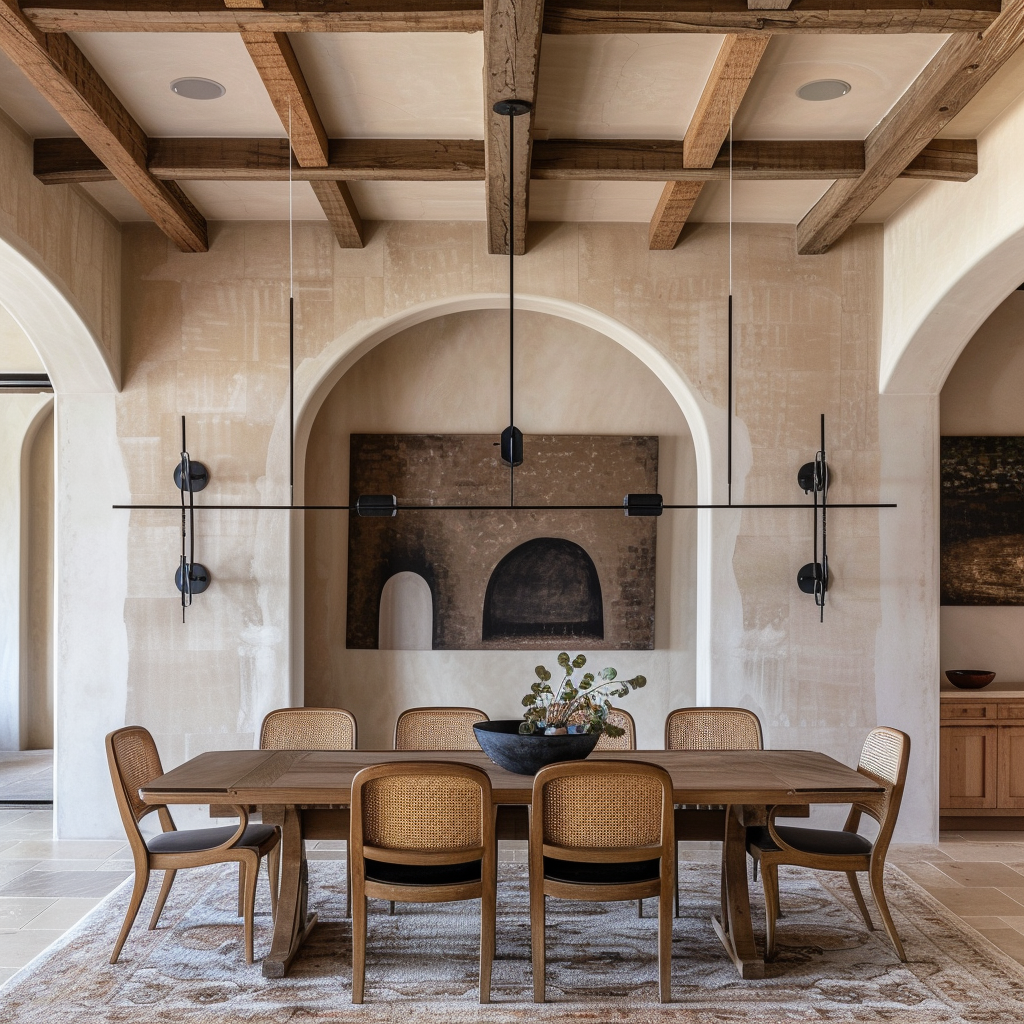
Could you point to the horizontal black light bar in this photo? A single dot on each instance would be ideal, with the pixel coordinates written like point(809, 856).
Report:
point(25, 382)
point(377, 506)
point(393, 510)
point(643, 504)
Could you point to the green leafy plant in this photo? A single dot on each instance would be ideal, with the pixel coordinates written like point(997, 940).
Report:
point(584, 702)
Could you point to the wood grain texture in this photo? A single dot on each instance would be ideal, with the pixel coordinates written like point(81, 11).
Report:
point(278, 66)
point(562, 16)
point(65, 161)
point(723, 92)
point(512, 37)
point(63, 75)
point(952, 78)
point(243, 3)
point(337, 202)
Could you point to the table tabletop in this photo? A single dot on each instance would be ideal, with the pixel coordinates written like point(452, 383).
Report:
point(325, 776)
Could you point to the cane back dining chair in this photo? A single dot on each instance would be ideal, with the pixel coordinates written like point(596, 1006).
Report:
point(308, 729)
point(883, 759)
point(599, 831)
point(707, 728)
point(437, 728)
point(423, 832)
point(134, 762)
point(627, 741)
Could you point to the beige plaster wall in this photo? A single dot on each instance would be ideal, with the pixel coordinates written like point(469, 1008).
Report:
point(450, 375)
point(39, 580)
point(981, 397)
point(207, 336)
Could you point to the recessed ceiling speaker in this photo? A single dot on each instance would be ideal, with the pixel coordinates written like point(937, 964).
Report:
point(823, 89)
point(198, 88)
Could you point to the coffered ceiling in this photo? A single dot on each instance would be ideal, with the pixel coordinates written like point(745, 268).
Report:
point(656, 81)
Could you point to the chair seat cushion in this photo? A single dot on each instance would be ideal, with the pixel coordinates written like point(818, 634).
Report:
point(593, 873)
point(422, 874)
point(810, 840)
point(195, 840)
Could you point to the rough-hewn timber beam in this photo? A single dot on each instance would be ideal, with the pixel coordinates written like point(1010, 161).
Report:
point(512, 34)
point(67, 161)
point(952, 78)
point(59, 70)
point(279, 68)
point(561, 16)
point(730, 76)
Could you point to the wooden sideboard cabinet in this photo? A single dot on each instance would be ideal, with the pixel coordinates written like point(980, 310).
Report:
point(981, 754)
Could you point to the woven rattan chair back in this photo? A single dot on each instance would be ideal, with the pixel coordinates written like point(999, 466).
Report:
point(308, 729)
point(410, 810)
point(884, 758)
point(603, 805)
point(134, 763)
point(438, 728)
point(713, 729)
point(627, 741)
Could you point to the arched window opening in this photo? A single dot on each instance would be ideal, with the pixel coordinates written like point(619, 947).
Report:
point(406, 614)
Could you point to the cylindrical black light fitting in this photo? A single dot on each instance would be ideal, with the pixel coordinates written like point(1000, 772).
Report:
point(512, 446)
point(643, 504)
point(199, 474)
point(377, 506)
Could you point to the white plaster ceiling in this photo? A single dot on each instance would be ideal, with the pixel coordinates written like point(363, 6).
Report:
point(394, 84)
point(430, 85)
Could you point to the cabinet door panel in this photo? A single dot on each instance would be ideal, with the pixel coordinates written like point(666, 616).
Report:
point(968, 766)
point(1011, 766)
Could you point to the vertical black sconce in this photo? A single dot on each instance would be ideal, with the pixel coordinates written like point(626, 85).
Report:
point(192, 577)
point(813, 477)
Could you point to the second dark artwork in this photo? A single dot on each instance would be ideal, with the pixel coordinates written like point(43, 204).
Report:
point(515, 579)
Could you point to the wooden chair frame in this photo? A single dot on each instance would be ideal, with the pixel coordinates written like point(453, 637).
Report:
point(873, 863)
point(409, 713)
point(624, 720)
point(276, 815)
point(485, 890)
point(541, 887)
point(133, 810)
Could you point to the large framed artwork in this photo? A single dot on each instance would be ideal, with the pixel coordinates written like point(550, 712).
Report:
point(508, 579)
point(982, 520)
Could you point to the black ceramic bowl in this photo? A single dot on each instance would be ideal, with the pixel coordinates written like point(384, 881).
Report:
point(969, 678)
point(502, 742)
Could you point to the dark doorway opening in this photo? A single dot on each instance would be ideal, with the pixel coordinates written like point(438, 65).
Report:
point(545, 587)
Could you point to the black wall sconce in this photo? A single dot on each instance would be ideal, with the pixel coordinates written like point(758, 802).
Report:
point(813, 478)
point(191, 577)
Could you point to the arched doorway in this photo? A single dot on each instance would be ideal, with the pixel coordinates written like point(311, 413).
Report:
point(545, 587)
point(406, 617)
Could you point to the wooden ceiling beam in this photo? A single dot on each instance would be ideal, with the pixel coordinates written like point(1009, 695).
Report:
point(512, 36)
point(572, 17)
point(279, 68)
point(67, 161)
point(724, 90)
point(952, 78)
point(61, 73)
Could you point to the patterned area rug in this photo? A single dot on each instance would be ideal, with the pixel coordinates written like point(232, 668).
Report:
point(422, 963)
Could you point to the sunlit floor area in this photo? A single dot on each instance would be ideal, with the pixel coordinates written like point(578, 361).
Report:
point(26, 776)
point(47, 886)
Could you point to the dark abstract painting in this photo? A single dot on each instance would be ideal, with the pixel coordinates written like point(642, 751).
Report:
point(515, 579)
point(982, 520)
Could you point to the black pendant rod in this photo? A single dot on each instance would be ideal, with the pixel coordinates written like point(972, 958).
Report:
point(511, 305)
point(291, 399)
point(729, 412)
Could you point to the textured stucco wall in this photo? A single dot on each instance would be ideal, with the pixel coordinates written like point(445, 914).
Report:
point(207, 336)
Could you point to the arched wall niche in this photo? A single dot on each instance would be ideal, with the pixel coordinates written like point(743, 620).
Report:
point(447, 373)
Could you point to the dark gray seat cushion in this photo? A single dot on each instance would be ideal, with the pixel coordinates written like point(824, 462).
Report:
point(591, 873)
point(422, 874)
point(195, 840)
point(810, 840)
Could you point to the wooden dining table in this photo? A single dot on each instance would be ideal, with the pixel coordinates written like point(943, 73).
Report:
point(307, 793)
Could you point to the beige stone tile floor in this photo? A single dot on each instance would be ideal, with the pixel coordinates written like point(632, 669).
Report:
point(26, 775)
point(47, 885)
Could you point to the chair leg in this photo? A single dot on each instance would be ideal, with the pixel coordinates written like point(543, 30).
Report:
point(358, 946)
point(875, 877)
point(273, 883)
point(859, 897)
point(252, 874)
point(391, 908)
point(677, 878)
point(348, 889)
point(770, 881)
point(165, 890)
point(537, 909)
point(138, 892)
point(639, 908)
point(665, 946)
point(274, 871)
point(241, 888)
point(488, 929)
